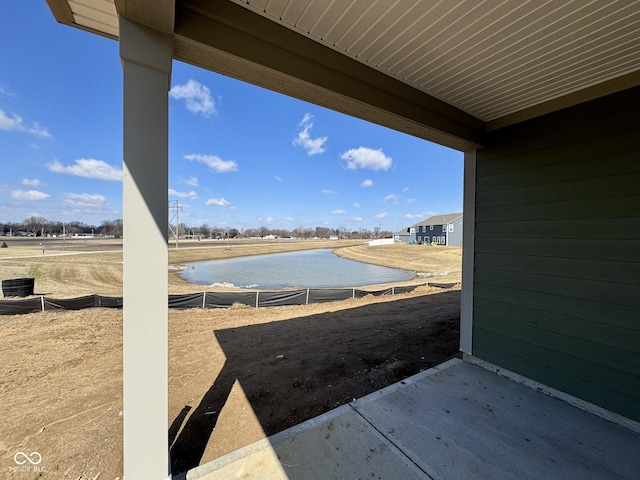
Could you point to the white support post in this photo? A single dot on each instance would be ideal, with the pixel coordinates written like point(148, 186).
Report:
point(468, 246)
point(146, 64)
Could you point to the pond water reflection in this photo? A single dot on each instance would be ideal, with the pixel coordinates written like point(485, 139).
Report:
point(306, 269)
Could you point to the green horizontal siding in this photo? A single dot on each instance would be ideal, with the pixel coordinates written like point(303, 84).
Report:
point(580, 328)
point(578, 229)
point(557, 251)
point(588, 310)
point(591, 151)
point(624, 251)
point(517, 360)
point(621, 293)
point(550, 359)
point(560, 191)
point(610, 365)
point(611, 206)
point(603, 118)
point(585, 269)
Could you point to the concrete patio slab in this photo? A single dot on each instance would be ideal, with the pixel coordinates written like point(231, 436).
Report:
point(455, 421)
point(338, 444)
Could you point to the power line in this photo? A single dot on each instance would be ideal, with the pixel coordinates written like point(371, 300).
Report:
point(175, 211)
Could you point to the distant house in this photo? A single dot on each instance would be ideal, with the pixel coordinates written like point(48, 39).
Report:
point(438, 230)
point(402, 236)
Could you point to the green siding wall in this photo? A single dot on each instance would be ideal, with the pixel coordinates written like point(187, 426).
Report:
point(557, 251)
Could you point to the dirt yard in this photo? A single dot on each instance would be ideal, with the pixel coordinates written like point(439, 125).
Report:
point(235, 375)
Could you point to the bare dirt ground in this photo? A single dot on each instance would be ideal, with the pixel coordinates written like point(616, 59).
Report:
point(61, 389)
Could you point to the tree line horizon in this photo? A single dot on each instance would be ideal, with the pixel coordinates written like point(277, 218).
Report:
point(41, 227)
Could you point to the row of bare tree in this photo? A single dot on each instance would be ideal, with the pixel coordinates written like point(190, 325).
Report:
point(206, 231)
point(41, 227)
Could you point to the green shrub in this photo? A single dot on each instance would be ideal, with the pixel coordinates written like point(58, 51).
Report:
point(4, 245)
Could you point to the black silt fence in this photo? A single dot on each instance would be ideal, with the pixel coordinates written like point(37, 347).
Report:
point(18, 287)
point(279, 299)
point(190, 300)
point(320, 295)
point(108, 302)
point(227, 299)
point(375, 293)
point(79, 303)
point(16, 307)
point(210, 299)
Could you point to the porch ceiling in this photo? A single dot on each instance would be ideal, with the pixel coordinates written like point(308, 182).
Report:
point(455, 68)
point(488, 58)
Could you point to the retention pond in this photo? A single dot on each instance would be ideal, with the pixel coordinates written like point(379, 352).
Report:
point(306, 269)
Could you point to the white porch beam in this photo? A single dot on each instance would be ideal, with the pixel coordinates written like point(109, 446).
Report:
point(468, 247)
point(146, 63)
point(156, 14)
point(225, 37)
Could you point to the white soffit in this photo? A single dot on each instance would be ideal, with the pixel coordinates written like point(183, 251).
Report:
point(97, 15)
point(490, 58)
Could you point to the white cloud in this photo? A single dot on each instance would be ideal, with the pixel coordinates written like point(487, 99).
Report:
point(326, 191)
point(32, 182)
point(278, 178)
point(410, 201)
point(218, 202)
point(214, 162)
point(357, 219)
point(356, 204)
point(88, 168)
point(421, 215)
point(288, 219)
point(191, 181)
point(381, 215)
point(15, 123)
point(6, 92)
point(367, 184)
point(84, 200)
point(393, 198)
point(190, 195)
point(338, 212)
point(313, 146)
point(197, 96)
point(370, 158)
point(29, 195)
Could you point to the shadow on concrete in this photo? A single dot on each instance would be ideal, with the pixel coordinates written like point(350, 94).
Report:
point(297, 369)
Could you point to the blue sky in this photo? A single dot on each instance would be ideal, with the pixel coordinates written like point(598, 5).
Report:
point(240, 156)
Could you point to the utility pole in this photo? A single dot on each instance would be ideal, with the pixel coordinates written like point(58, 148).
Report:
point(175, 209)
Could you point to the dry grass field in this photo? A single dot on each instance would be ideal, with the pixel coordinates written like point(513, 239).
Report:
point(61, 390)
point(85, 267)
